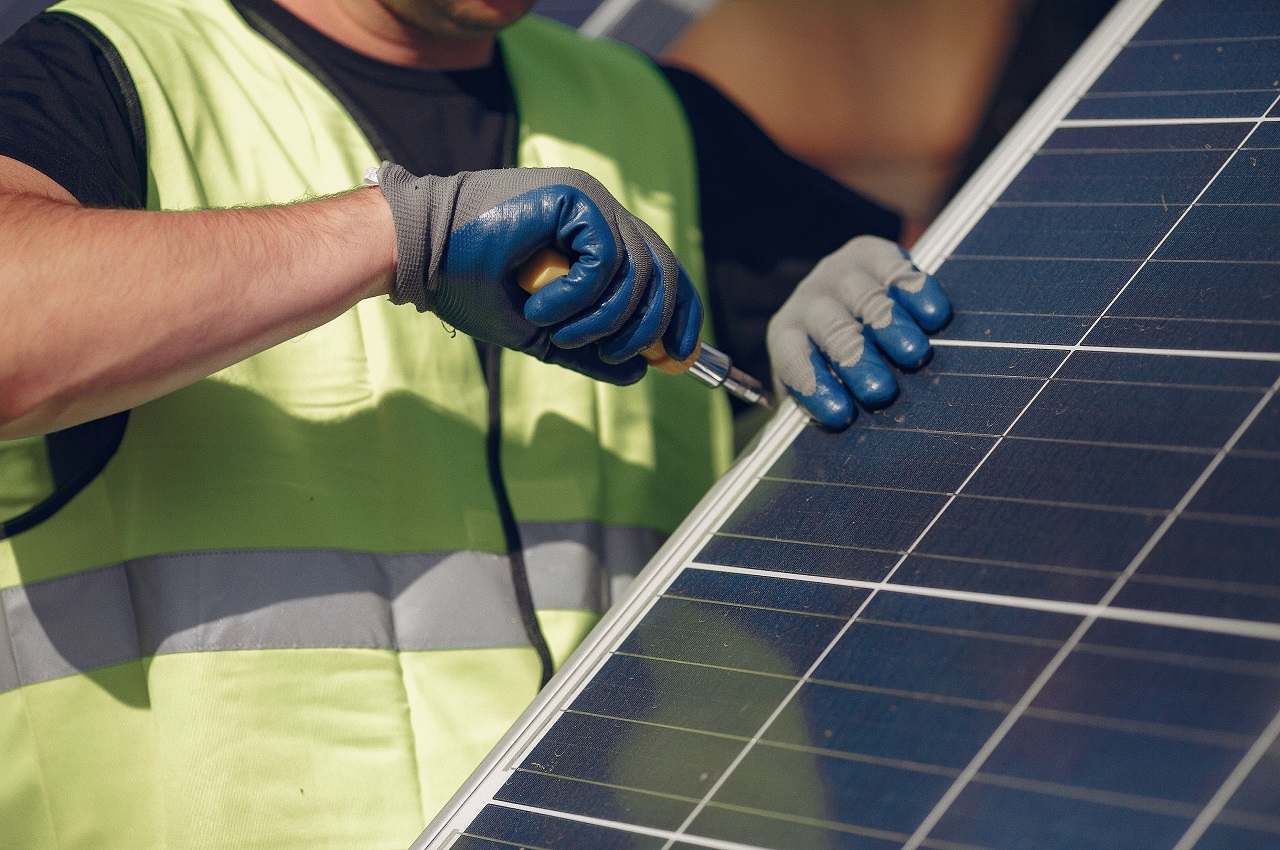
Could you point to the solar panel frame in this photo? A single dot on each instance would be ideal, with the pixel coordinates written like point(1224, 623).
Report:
point(986, 186)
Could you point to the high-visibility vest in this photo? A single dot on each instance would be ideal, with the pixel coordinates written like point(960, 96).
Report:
point(281, 616)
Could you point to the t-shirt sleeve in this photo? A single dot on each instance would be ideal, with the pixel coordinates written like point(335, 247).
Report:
point(767, 218)
point(65, 111)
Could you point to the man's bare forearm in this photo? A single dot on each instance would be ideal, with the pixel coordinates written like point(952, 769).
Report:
point(101, 310)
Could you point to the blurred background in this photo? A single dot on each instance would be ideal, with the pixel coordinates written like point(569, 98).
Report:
point(900, 99)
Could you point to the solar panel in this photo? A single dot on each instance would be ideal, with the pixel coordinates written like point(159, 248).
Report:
point(1035, 603)
point(650, 25)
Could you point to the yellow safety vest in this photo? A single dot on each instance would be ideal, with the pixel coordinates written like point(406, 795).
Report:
point(281, 616)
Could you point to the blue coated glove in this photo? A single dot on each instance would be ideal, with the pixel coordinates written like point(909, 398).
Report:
point(826, 341)
point(461, 239)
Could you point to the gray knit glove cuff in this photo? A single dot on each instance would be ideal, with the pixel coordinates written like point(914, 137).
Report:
point(422, 209)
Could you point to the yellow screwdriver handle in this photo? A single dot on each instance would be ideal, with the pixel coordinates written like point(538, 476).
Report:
point(549, 264)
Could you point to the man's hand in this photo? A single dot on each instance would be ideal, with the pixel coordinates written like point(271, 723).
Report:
point(826, 340)
point(460, 240)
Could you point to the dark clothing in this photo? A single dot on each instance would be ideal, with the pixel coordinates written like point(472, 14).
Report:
point(67, 109)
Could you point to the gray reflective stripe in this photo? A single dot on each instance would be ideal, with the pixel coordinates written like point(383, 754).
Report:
point(552, 549)
point(74, 623)
point(289, 599)
point(8, 664)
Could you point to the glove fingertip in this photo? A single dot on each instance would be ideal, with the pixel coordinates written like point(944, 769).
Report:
point(828, 410)
point(829, 403)
point(871, 382)
point(903, 340)
point(929, 306)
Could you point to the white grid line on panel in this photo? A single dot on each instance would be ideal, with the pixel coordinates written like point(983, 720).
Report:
point(1112, 259)
point(699, 841)
point(1168, 619)
point(1209, 354)
point(1148, 122)
point(1222, 39)
point(1229, 786)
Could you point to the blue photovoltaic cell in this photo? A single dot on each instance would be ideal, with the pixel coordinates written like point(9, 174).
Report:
point(1017, 327)
point(1266, 137)
point(1192, 66)
point(1112, 232)
point(520, 829)
point(1253, 177)
point(1034, 821)
point(1164, 370)
point(1138, 177)
point(1243, 487)
point(833, 561)
point(1174, 105)
point(876, 461)
point(655, 690)
point(1116, 760)
point(1026, 534)
point(1169, 415)
point(1181, 20)
point(1034, 603)
point(1167, 137)
point(1218, 306)
point(1076, 288)
point(1226, 233)
point(1264, 434)
point(1205, 79)
point(1096, 476)
point(1223, 837)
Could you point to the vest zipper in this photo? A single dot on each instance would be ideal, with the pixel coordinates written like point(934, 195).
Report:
point(490, 355)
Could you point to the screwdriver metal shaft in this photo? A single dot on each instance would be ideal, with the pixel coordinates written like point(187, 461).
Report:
point(708, 364)
point(714, 368)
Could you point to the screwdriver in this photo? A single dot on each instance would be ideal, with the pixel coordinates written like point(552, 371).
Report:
point(707, 364)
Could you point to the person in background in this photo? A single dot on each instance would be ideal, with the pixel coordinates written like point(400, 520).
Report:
point(901, 101)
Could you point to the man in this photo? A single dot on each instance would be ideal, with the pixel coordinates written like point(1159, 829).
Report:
point(283, 559)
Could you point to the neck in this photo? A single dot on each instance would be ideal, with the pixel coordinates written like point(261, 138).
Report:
point(374, 30)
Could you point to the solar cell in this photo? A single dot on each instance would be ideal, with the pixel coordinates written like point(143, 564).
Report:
point(1035, 603)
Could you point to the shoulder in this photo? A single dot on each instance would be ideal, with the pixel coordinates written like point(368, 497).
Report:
point(148, 20)
point(170, 13)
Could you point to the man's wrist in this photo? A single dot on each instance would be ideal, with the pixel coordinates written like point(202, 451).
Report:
point(384, 242)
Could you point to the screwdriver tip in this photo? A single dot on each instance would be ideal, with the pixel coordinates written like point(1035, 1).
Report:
point(748, 389)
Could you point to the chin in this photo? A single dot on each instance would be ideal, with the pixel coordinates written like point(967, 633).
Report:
point(487, 14)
